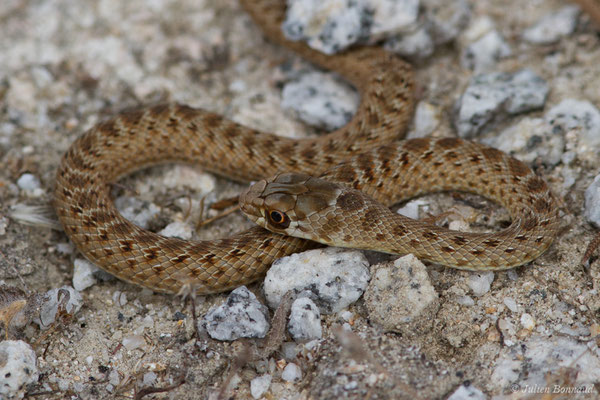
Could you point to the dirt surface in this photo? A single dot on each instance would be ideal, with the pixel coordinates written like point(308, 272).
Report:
point(69, 64)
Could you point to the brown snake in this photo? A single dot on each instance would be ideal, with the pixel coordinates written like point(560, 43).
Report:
point(362, 155)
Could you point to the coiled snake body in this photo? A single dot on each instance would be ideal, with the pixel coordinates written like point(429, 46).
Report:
point(363, 155)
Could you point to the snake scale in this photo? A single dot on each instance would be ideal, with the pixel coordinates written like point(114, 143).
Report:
point(364, 155)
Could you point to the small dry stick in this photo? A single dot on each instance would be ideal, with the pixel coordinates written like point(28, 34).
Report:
point(151, 390)
point(216, 217)
point(225, 203)
point(591, 248)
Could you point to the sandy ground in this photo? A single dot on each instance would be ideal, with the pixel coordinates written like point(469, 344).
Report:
point(72, 63)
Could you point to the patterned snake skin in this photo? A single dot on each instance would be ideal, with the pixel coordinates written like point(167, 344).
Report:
point(353, 155)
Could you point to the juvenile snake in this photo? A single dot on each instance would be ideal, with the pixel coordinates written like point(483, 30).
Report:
point(363, 155)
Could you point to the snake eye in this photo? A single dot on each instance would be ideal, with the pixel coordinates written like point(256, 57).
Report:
point(279, 219)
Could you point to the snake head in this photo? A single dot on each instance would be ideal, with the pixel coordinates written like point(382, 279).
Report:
point(290, 204)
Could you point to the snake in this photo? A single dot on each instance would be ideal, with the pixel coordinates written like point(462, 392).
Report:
point(335, 188)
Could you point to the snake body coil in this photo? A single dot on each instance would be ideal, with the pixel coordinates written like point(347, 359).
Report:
point(353, 156)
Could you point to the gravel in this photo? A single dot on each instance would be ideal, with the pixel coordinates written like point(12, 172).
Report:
point(66, 65)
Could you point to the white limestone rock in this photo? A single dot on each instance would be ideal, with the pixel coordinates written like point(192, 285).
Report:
point(467, 392)
point(18, 368)
point(582, 118)
point(445, 20)
point(241, 315)
point(333, 25)
point(320, 99)
point(305, 320)
point(484, 53)
point(533, 361)
point(553, 27)
point(332, 277)
point(418, 44)
point(400, 296)
point(490, 96)
point(530, 139)
point(137, 211)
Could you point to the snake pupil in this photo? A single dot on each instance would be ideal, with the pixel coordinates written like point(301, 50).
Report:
point(276, 217)
point(279, 219)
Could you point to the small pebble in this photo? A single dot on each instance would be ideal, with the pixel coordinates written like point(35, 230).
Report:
point(65, 248)
point(146, 323)
point(3, 225)
point(346, 315)
point(133, 342)
point(291, 373)
point(178, 316)
point(64, 384)
point(28, 182)
point(418, 44)
point(582, 117)
point(137, 211)
point(79, 387)
point(508, 330)
point(119, 298)
point(113, 377)
point(31, 185)
point(467, 392)
point(483, 54)
point(18, 368)
point(480, 282)
point(83, 274)
point(527, 321)
point(459, 225)
point(177, 229)
point(592, 202)
point(400, 296)
point(351, 385)
point(465, 301)
point(187, 176)
point(334, 277)
point(427, 119)
point(260, 385)
point(149, 378)
point(511, 304)
point(477, 28)
point(445, 20)
point(290, 350)
point(305, 320)
point(241, 315)
point(413, 208)
point(553, 27)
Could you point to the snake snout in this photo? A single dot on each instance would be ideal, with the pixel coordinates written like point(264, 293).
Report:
point(251, 200)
